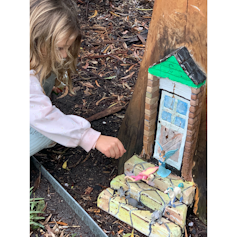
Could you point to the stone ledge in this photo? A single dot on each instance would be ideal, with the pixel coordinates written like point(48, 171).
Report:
point(138, 219)
point(137, 165)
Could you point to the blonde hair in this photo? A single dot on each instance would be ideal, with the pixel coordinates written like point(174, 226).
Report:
point(52, 21)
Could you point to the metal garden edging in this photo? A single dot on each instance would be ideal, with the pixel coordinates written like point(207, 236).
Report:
point(82, 214)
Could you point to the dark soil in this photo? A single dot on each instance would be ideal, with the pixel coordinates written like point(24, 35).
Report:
point(93, 169)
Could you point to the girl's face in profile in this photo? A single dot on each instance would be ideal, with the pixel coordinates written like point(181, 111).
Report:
point(64, 45)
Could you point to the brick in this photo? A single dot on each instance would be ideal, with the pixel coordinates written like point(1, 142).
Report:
point(150, 112)
point(189, 144)
point(191, 138)
point(148, 138)
point(152, 83)
point(202, 87)
point(151, 101)
point(151, 106)
point(195, 90)
point(153, 94)
point(193, 109)
point(152, 89)
point(194, 102)
point(186, 157)
point(192, 121)
point(187, 154)
point(190, 132)
point(151, 77)
point(192, 115)
point(194, 96)
point(150, 117)
point(149, 133)
point(148, 148)
point(200, 95)
point(188, 149)
point(148, 128)
point(192, 126)
point(149, 122)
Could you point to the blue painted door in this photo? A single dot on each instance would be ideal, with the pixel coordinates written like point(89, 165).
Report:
point(172, 127)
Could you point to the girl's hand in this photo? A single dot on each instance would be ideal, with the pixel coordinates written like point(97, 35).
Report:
point(110, 146)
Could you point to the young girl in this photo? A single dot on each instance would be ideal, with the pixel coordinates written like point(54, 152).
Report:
point(54, 45)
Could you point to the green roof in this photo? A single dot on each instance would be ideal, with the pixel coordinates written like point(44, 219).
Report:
point(171, 69)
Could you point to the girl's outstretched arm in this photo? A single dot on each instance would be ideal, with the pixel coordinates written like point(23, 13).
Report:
point(67, 130)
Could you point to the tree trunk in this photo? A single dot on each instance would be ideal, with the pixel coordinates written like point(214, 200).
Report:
point(173, 24)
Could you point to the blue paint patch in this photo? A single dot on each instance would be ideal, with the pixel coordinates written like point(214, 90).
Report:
point(169, 102)
point(180, 122)
point(182, 107)
point(166, 116)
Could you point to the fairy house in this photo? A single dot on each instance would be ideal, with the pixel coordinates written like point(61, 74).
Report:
point(173, 105)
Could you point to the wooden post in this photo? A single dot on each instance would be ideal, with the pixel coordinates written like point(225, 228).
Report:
point(173, 24)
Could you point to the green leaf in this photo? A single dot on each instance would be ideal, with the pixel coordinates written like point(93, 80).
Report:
point(110, 77)
point(35, 224)
point(36, 199)
point(40, 206)
point(36, 212)
point(73, 235)
point(127, 235)
point(39, 218)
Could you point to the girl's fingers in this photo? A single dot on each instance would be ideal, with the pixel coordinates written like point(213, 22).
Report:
point(121, 149)
point(112, 153)
point(117, 152)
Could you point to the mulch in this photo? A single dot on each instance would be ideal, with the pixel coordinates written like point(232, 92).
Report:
point(113, 43)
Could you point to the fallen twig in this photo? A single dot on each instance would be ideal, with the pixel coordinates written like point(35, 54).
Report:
point(105, 112)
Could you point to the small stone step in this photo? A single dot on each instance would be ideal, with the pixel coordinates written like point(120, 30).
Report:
point(152, 198)
point(137, 165)
point(138, 219)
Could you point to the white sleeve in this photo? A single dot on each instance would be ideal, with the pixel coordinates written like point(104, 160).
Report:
point(67, 130)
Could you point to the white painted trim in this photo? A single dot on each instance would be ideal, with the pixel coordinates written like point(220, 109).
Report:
point(176, 88)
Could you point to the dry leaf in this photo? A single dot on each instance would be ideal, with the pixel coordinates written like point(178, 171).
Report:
point(96, 82)
point(65, 165)
point(76, 88)
point(141, 38)
point(95, 210)
point(128, 76)
point(93, 14)
point(37, 183)
point(107, 48)
point(196, 200)
point(64, 94)
point(86, 65)
point(88, 190)
point(130, 68)
point(50, 232)
point(114, 14)
point(86, 197)
point(120, 231)
point(87, 92)
point(61, 223)
point(97, 103)
point(87, 84)
point(125, 46)
point(125, 32)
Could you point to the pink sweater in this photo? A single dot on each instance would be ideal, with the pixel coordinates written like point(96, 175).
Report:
point(67, 130)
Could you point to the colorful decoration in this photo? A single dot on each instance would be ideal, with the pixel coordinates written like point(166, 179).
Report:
point(163, 157)
point(173, 192)
point(145, 175)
